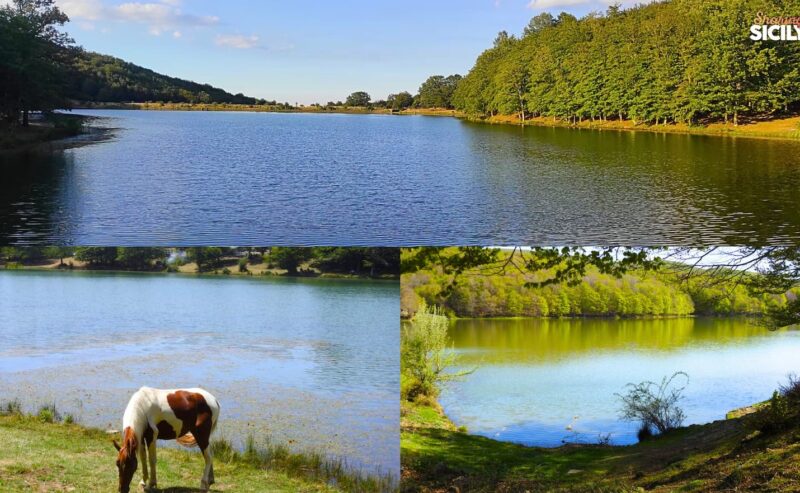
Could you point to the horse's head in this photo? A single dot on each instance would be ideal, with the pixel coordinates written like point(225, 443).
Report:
point(126, 460)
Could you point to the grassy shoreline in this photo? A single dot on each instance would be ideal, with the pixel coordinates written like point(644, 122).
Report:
point(729, 454)
point(42, 132)
point(782, 128)
point(46, 456)
point(254, 108)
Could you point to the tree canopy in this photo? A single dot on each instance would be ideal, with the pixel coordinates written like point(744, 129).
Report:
point(473, 281)
point(437, 91)
point(683, 61)
point(32, 57)
point(358, 98)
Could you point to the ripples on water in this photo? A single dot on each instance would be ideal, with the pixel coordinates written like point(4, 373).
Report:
point(311, 361)
point(301, 179)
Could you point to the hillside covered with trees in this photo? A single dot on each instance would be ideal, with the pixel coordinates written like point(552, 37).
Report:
point(92, 77)
point(41, 69)
point(675, 61)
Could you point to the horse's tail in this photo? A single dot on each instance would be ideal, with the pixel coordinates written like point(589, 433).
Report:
point(187, 440)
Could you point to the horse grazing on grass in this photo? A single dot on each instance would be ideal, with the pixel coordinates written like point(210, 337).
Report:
point(187, 416)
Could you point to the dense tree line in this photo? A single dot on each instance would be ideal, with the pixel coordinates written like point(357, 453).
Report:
point(671, 61)
point(343, 260)
point(598, 289)
point(369, 262)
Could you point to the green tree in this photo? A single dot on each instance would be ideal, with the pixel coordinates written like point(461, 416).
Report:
point(400, 101)
point(97, 256)
point(59, 252)
point(358, 98)
point(31, 58)
point(437, 91)
point(290, 258)
point(206, 258)
point(140, 258)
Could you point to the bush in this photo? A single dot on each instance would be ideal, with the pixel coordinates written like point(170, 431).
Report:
point(655, 405)
point(791, 391)
point(48, 414)
point(243, 265)
point(11, 408)
point(775, 416)
point(644, 433)
point(424, 356)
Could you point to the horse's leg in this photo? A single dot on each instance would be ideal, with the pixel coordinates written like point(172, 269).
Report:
point(143, 460)
point(152, 453)
point(202, 434)
point(208, 472)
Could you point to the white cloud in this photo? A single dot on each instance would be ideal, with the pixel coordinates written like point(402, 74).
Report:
point(555, 4)
point(237, 41)
point(161, 16)
point(549, 4)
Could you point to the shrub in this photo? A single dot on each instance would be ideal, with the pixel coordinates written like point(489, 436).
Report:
point(223, 450)
point(11, 408)
point(243, 265)
point(226, 271)
point(644, 433)
point(791, 390)
point(655, 405)
point(69, 419)
point(424, 356)
point(48, 414)
point(776, 415)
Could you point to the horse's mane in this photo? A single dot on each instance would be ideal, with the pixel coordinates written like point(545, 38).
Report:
point(129, 442)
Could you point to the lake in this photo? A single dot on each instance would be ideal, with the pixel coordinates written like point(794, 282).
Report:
point(534, 377)
point(311, 363)
point(334, 179)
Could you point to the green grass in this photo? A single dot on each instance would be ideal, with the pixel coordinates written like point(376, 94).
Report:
point(37, 455)
point(724, 455)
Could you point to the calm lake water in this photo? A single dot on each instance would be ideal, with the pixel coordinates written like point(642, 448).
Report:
point(535, 378)
point(247, 178)
point(312, 362)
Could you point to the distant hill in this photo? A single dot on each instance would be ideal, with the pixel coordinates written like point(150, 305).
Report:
point(102, 78)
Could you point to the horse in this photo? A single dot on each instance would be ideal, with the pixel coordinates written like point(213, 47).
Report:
point(187, 416)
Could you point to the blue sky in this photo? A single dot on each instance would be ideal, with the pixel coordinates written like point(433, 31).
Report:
point(302, 50)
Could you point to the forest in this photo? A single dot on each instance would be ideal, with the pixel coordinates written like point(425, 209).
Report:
point(634, 292)
point(677, 61)
point(295, 261)
point(100, 78)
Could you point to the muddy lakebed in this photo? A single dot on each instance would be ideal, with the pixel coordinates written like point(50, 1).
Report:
point(309, 363)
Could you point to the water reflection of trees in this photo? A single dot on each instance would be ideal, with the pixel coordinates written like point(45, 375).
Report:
point(32, 196)
point(553, 339)
point(637, 184)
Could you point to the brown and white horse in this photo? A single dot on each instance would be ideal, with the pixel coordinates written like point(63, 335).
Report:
point(187, 416)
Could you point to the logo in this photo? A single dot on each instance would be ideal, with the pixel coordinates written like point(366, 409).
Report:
point(766, 28)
